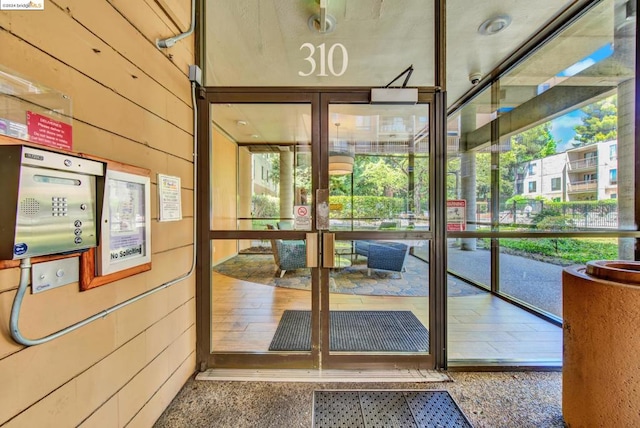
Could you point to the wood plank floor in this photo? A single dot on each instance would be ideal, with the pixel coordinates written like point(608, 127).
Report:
point(481, 327)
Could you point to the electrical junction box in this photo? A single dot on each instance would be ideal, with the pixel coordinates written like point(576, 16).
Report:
point(51, 202)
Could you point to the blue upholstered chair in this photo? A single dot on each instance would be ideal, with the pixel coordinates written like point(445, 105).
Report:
point(383, 255)
point(289, 255)
point(362, 248)
point(285, 225)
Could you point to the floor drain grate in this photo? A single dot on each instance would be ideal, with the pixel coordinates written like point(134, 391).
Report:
point(368, 408)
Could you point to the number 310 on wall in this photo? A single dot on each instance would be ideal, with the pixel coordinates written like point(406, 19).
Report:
point(326, 59)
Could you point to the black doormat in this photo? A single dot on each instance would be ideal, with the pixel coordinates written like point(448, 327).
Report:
point(346, 408)
point(372, 331)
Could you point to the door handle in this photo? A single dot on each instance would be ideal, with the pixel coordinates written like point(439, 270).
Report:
point(312, 250)
point(328, 249)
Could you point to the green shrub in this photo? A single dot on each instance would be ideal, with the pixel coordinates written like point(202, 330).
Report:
point(366, 206)
point(602, 207)
point(553, 222)
point(523, 200)
point(265, 206)
point(570, 250)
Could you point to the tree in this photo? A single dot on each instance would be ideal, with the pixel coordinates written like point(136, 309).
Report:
point(453, 177)
point(303, 177)
point(483, 176)
point(534, 143)
point(386, 177)
point(599, 124)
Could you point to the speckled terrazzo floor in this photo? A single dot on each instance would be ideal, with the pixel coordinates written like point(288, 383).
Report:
point(508, 399)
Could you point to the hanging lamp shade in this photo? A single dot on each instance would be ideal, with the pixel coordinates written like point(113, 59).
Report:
point(340, 163)
point(340, 156)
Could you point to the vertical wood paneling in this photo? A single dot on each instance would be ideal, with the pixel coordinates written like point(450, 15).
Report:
point(131, 103)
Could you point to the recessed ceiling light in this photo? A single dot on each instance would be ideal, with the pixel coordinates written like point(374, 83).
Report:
point(256, 136)
point(494, 25)
point(241, 122)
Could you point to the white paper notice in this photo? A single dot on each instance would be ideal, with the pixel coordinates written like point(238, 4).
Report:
point(170, 198)
point(302, 217)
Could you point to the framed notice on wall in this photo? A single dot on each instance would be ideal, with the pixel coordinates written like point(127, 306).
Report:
point(126, 222)
point(169, 198)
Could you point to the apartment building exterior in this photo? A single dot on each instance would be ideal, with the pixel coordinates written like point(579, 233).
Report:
point(585, 173)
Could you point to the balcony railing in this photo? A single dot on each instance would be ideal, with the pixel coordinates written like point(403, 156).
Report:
point(583, 186)
point(589, 163)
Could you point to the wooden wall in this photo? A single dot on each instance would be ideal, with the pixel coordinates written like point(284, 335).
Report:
point(132, 104)
point(245, 191)
point(224, 198)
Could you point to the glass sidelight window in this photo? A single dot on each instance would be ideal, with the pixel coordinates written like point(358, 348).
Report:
point(550, 149)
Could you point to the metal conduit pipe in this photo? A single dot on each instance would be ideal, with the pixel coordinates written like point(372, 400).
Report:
point(170, 41)
point(25, 266)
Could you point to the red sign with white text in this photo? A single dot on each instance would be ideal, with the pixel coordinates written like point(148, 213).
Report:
point(456, 215)
point(48, 132)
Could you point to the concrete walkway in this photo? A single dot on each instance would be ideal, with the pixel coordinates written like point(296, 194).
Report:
point(535, 282)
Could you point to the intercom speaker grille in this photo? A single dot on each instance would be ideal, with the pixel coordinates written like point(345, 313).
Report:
point(29, 206)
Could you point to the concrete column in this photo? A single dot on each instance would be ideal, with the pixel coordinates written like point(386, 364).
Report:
point(625, 54)
point(626, 166)
point(286, 185)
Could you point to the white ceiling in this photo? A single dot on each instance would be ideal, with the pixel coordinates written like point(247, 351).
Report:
point(261, 43)
point(258, 42)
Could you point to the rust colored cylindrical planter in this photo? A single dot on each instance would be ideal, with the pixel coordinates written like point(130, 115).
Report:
point(601, 357)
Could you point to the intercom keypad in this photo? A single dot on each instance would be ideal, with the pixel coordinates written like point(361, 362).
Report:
point(51, 202)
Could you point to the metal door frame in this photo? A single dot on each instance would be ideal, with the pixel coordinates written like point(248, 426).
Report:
point(373, 360)
point(319, 99)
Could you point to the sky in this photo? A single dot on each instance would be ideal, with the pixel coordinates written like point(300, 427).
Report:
point(562, 129)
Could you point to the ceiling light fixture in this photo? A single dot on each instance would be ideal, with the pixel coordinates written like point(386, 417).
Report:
point(241, 122)
point(340, 156)
point(322, 22)
point(340, 165)
point(315, 25)
point(494, 25)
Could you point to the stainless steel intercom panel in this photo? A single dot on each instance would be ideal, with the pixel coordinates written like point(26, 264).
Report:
point(50, 202)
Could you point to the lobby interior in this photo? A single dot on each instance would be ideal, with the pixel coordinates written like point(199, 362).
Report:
point(336, 157)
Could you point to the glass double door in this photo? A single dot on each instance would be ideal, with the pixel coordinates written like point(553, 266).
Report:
point(320, 234)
